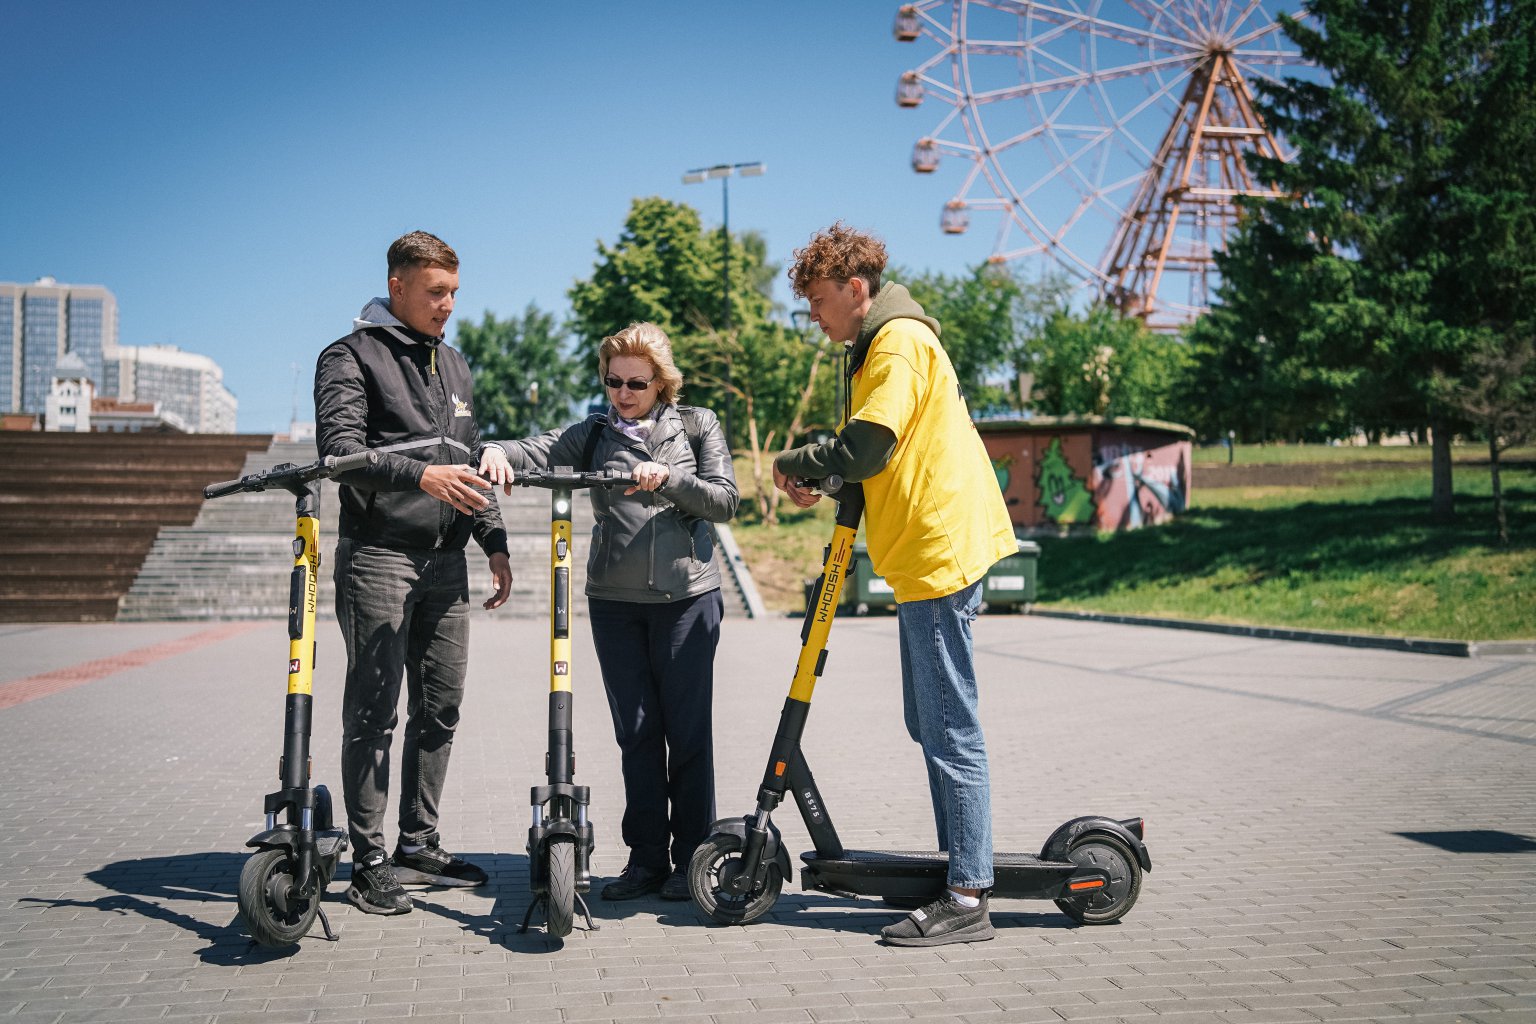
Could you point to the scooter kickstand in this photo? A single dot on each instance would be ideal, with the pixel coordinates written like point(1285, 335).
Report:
point(325, 924)
point(582, 903)
point(528, 914)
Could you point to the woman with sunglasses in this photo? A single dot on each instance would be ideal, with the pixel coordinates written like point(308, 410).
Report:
point(653, 591)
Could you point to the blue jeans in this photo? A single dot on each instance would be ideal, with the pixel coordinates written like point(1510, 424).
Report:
point(938, 688)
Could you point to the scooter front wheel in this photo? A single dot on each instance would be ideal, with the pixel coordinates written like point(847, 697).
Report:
point(715, 864)
point(562, 885)
point(1116, 899)
point(269, 900)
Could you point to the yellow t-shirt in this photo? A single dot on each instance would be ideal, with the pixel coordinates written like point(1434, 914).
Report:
point(934, 518)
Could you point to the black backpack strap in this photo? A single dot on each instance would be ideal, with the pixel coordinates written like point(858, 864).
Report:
point(589, 451)
point(694, 430)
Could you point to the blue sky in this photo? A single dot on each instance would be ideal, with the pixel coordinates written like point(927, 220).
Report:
point(234, 172)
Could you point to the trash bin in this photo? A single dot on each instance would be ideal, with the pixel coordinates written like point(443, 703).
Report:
point(1010, 584)
point(871, 590)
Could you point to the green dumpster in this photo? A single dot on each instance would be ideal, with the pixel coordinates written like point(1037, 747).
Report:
point(870, 590)
point(1010, 584)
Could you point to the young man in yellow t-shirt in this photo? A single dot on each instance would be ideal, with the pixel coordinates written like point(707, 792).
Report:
point(934, 521)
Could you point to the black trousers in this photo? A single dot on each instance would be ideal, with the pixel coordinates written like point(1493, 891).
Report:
point(658, 664)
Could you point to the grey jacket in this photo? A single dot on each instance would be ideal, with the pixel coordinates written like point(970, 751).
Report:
point(647, 547)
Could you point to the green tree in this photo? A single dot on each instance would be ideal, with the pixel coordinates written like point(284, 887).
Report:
point(666, 269)
point(525, 379)
point(1373, 221)
point(1491, 260)
point(1107, 365)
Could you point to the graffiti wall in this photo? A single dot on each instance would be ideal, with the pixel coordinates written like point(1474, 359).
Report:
point(1090, 474)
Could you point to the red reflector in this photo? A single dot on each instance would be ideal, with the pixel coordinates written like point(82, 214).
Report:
point(778, 768)
point(1092, 883)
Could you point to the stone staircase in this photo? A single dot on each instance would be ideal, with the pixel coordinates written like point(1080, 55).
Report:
point(78, 512)
point(233, 561)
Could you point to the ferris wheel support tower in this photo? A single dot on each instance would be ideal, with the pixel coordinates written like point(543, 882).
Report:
point(1112, 135)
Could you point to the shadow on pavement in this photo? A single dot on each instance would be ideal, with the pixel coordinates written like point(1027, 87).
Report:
point(1481, 840)
point(151, 886)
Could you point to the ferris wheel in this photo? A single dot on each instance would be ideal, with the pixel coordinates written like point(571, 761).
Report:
point(1109, 135)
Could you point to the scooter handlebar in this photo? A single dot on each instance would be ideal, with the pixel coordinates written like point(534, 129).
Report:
point(287, 474)
point(829, 485)
point(227, 487)
point(565, 476)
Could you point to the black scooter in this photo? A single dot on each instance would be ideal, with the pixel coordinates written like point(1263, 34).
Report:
point(282, 883)
point(560, 838)
point(1090, 866)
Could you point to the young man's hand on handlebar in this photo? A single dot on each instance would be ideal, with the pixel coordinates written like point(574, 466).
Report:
point(802, 496)
point(459, 486)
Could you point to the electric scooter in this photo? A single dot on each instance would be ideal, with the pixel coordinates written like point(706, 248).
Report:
point(1091, 866)
point(560, 838)
point(282, 883)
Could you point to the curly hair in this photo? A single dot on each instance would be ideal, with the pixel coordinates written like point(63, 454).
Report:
point(650, 343)
point(840, 254)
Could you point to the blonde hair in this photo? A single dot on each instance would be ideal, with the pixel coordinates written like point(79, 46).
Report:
point(651, 343)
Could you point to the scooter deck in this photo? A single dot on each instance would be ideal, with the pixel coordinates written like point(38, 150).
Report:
point(922, 873)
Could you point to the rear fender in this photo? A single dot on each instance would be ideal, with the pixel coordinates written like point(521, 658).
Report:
point(1060, 841)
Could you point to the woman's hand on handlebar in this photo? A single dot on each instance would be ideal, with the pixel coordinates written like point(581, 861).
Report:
point(648, 476)
point(495, 467)
point(802, 497)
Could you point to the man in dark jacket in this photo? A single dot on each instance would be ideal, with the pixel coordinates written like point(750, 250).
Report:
point(402, 586)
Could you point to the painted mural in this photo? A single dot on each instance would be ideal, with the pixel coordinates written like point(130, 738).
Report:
point(1064, 498)
point(1135, 485)
point(1092, 473)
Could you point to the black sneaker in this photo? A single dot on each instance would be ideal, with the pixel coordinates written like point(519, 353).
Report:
point(676, 886)
point(636, 881)
point(939, 923)
point(374, 888)
point(432, 865)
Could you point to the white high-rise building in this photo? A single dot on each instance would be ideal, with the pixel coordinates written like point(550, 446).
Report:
point(189, 385)
point(41, 322)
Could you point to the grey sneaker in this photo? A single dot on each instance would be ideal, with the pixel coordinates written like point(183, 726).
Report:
point(940, 923)
point(432, 865)
point(374, 888)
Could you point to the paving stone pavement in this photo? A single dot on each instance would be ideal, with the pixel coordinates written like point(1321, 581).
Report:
point(1335, 834)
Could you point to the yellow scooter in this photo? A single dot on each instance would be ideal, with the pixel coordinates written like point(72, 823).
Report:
point(560, 838)
point(282, 883)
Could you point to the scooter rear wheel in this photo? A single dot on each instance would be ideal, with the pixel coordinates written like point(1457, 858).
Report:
point(274, 912)
point(1116, 899)
point(714, 864)
point(562, 885)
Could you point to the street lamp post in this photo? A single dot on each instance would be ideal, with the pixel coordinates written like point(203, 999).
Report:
point(724, 172)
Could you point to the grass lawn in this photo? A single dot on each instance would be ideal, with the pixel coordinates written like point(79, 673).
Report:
point(1310, 537)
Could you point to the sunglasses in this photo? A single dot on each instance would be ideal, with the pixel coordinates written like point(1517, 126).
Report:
point(615, 383)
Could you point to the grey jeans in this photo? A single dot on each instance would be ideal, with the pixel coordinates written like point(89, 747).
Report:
point(403, 614)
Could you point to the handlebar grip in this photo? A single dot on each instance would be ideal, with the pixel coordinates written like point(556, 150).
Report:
point(347, 463)
point(219, 490)
point(828, 485)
